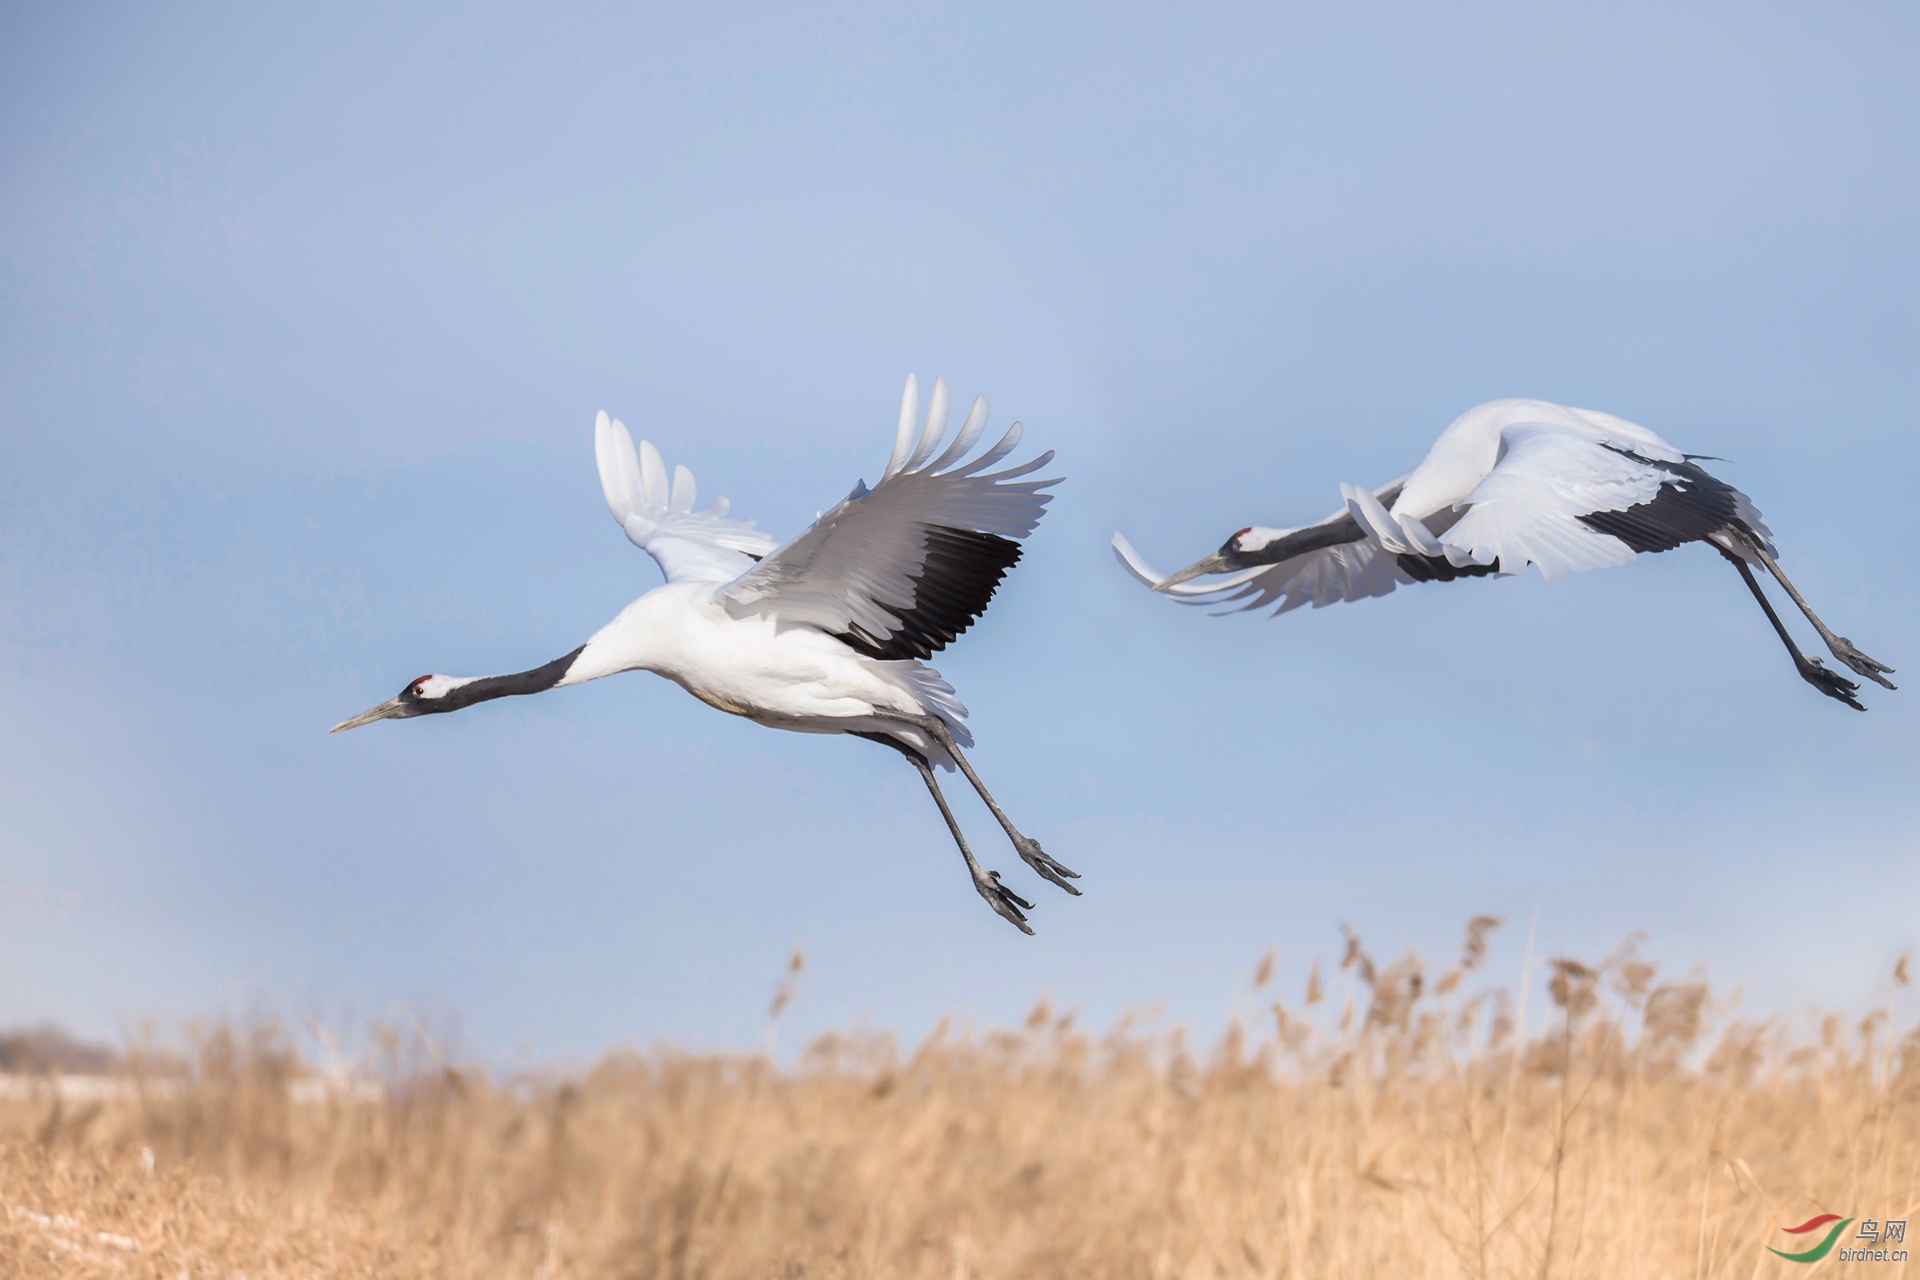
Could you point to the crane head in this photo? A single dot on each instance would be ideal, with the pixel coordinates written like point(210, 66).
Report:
point(1231, 556)
point(423, 695)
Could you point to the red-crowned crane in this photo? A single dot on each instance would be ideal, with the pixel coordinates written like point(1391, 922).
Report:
point(826, 633)
point(1509, 483)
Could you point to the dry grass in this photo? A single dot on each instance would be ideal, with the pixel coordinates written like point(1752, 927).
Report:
point(1411, 1130)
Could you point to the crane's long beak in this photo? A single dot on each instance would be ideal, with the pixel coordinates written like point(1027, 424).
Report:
point(385, 711)
point(1215, 563)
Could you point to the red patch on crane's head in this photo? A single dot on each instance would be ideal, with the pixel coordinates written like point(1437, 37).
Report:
point(1236, 536)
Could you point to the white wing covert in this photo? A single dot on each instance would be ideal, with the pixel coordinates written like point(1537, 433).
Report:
point(899, 570)
point(1547, 501)
point(658, 517)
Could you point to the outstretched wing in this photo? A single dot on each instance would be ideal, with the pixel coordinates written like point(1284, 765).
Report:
point(1572, 489)
point(1336, 563)
point(1570, 501)
point(899, 570)
point(690, 546)
point(1331, 575)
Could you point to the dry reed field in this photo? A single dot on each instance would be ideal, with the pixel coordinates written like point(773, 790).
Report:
point(1386, 1122)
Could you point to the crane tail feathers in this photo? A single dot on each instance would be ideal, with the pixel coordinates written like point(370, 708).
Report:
point(931, 690)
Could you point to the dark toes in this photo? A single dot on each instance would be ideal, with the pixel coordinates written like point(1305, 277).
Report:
point(1060, 868)
point(1007, 904)
point(1047, 873)
point(1047, 868)
point(1861, 663)
point(1831, 683)
point(1009, 894)
point(1013, 917)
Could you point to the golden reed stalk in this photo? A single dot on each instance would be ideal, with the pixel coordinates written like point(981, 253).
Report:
point(1409, 1129)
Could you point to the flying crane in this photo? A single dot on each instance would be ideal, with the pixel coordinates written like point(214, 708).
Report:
point(826, 633)
point(1510, 483)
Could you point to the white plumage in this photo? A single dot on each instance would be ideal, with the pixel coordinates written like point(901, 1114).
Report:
point(689, 545)
point(826, 633)
point(1509, 483)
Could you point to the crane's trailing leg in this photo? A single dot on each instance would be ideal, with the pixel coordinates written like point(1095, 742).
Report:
point(1841, 647)
point(1831, 683)
point(1045, 866)
point(1009, 905)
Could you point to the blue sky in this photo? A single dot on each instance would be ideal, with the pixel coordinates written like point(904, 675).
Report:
point(305, 316)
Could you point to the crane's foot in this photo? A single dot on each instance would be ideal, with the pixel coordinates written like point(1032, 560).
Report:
point(1843, 649)
point(1045, 867)
point(1831, 683)
point(1007, 904)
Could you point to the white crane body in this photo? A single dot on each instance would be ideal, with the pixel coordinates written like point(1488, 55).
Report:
point(784, 677)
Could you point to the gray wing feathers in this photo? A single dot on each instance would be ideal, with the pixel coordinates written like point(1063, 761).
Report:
point(929, 537)
point(1330, 575)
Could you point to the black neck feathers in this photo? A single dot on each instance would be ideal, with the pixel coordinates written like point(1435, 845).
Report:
point(538, 680)
point(1300, 542)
